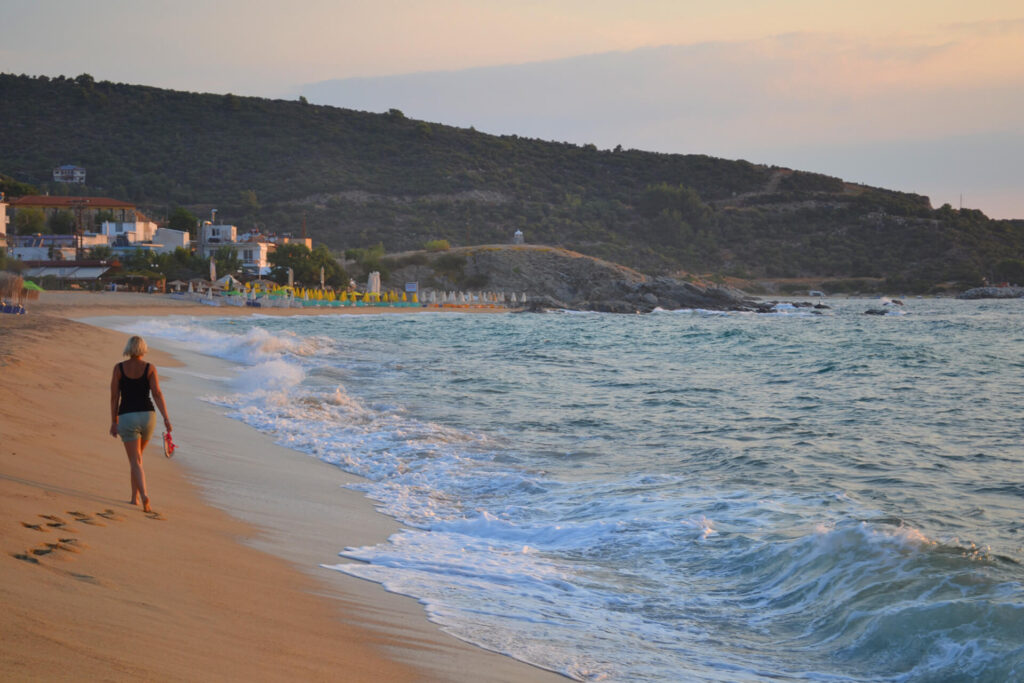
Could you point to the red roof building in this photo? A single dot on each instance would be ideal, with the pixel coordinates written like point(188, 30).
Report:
point(123, 211)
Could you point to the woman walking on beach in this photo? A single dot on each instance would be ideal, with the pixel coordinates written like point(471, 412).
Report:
point(132, 414)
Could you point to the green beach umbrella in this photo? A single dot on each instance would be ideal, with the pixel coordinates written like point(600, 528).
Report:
point(31, 286)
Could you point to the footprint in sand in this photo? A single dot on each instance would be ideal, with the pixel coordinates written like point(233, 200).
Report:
point(69, 544)
point(66, 545)
point(55, 522)
point(156, 515)
point(84, 518)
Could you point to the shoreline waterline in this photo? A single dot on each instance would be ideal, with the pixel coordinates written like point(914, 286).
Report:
point(569, 484)
point(305, 512)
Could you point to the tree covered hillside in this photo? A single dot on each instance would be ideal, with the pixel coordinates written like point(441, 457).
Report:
point(356, 179)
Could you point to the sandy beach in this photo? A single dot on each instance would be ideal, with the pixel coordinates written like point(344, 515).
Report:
point(224, 581)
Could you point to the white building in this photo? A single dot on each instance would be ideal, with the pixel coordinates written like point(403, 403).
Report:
point(69, 173)
point(169, 240)
point(122, 232)
point(213, 236)
point(253, 256)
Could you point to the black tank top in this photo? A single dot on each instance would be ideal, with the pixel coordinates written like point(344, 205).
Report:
point(134, 393)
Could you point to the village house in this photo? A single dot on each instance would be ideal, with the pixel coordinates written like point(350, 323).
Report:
point(124, 233)
point(214, 236)
point(253, 253)
point(169, 239)
point(85, 209)
point(125, 229)
point(69, 173)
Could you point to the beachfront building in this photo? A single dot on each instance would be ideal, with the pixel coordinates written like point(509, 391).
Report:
point(124, 233)
point(213, 236)
point(168, 240)
point(253, 251)
point(69, 173)
point(73, 273)
point(51, 247)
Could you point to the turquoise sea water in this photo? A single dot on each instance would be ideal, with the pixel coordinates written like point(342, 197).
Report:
point(681, 495)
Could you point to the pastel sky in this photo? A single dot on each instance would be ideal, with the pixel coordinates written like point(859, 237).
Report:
point(918, 95)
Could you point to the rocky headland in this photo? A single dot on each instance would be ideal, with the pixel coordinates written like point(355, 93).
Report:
point(555, 278)
point(992, 293)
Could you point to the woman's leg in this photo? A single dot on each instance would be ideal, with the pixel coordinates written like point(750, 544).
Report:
point(134, 452)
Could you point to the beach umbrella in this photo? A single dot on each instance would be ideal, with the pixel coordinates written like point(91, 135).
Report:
point(190, 290)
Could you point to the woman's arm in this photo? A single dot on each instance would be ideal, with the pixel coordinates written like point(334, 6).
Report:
point(115, 394)
point(158, 397)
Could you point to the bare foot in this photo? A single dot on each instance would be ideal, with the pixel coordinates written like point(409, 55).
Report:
point(145, 505)
point(133, 501)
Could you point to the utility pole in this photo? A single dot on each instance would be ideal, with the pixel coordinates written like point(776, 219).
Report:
point(79, 233)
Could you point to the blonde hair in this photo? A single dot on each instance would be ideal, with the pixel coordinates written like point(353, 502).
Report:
point(136, 346)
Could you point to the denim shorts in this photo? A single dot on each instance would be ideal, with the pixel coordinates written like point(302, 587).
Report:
point(132, 426)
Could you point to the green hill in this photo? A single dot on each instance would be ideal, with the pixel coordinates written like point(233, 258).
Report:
point(355, 179)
